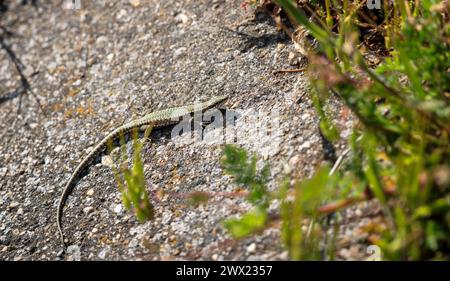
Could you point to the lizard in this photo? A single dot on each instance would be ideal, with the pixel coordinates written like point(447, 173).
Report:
point(157, 119)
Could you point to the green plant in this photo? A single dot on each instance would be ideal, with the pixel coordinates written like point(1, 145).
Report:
point(299, 203)
point(237, 164)
point(131, 182)
point(400, 151)
point(307, 196)
point(402, 106)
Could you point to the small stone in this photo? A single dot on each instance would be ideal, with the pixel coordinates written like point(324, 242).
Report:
point(70, 5)
point(293, 58)
point(215, 257)
point(182, 18)
point(20, 211)
point(51, 67)
point(110, 57)
point(251, 248)
point(344, 253)
point(33, 125)
point(87, 210)
point(305, 145)
point(178, 52)
point(135, 3)
point(90, 192)
point(305, 116)
point(58, 148)
point(284, 255)
point(118, 209)
point(166, 218)
point(122, 13)
point(101, 40)
point(107, 161)
point(13, 204)
point(73, 253)
point(3, 171)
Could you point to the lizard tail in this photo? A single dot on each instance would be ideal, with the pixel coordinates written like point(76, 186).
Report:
point(59, 212)
point(70, 185)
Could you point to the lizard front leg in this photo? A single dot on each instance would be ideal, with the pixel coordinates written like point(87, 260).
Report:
point(147, 132)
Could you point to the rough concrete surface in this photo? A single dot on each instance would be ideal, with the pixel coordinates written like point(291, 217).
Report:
point(95, 68)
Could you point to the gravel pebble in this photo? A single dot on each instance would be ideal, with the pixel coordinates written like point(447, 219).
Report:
point(251, 248)
point(118, 209)
point(73, 253)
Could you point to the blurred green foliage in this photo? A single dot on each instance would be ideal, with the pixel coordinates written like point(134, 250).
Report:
point(400, 146)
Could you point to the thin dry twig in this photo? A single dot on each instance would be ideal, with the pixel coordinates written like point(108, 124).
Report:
point(295, 70)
